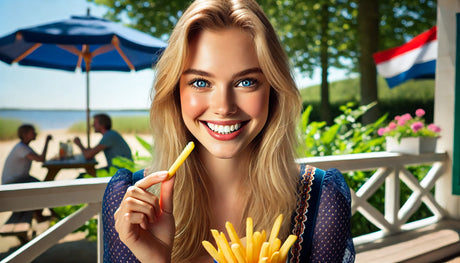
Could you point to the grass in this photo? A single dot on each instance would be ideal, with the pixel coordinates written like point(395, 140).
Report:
point(348, 90)
point(402, 99)
point(9, 128)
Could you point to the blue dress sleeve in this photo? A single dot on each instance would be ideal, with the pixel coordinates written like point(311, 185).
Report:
point(332, 241)
point(114, 249)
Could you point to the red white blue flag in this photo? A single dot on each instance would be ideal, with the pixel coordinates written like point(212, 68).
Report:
point(414, 60)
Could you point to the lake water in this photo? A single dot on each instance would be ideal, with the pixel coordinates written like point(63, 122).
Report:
point(61, 119)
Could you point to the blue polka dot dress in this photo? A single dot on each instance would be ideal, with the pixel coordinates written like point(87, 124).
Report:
point(321, 220)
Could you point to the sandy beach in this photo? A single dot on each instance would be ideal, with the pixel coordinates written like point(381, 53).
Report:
point(7, 244)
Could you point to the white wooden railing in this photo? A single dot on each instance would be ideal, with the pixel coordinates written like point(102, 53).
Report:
point(30, 196)
point(390, 169)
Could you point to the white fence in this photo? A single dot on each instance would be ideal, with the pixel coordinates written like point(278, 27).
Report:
point(390, 169)
point(30, 196)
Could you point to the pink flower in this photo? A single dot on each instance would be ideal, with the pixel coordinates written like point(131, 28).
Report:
point(381, 131)
point(434, 128)
point(392, 126)
point(397, 117)
point(419, 112)
point(401, 121)
point(416, 126)
point(406, 117)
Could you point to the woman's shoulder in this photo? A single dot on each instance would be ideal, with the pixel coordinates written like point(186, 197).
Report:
point(331, 179)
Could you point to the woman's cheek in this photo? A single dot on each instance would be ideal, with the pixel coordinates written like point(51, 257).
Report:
point(193, 105)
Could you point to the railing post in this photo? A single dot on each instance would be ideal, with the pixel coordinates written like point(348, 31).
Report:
point(100, 239)
point(392, 200)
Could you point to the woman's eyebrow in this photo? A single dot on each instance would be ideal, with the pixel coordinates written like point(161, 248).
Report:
point(207, 74)
point(197, 72)
point(247, 71)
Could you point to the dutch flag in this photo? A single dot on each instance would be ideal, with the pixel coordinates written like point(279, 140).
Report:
point(414, 60)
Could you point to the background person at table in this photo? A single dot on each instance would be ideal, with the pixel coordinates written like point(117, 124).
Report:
point(18, 163)
point(112, 143)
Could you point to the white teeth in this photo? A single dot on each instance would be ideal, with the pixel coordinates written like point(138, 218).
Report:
point(224, 129)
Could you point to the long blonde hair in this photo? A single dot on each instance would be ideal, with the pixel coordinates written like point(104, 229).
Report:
point(272, 172)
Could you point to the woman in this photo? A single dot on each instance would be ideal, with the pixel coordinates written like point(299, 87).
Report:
point(223, 82)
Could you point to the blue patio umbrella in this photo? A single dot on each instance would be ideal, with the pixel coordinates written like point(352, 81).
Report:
point(85, 42)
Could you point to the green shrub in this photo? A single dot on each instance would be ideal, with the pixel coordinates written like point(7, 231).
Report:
point(9, 129)
point(347, 135)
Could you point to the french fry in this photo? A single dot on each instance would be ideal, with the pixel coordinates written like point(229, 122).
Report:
point(275, 229)
point(212, 251)
point(249, 241)
point(238, 252)
point(284, 250)
point(264, 250)
point(275, 257)
point(257, 243)
point(232, 234)
point(275, 246)
point(228, 254)
point(180, 160)
point(216, 236)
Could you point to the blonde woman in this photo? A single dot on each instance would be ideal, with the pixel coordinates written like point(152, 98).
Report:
point(224, 82)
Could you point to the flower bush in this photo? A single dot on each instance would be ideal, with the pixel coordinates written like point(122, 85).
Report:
point(407, 126)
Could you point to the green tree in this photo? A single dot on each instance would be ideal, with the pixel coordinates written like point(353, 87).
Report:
point(310, 30)
point(325, 33)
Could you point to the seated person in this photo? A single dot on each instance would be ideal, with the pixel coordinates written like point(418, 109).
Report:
point(18, 163)
point(111, 143)
point(19, 160)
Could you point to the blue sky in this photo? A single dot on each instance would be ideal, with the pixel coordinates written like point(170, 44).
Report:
point(36, 88)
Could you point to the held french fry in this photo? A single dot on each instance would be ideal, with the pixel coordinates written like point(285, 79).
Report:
point(180, 159)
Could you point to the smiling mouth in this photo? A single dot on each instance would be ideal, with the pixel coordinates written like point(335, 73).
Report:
point(224, 129)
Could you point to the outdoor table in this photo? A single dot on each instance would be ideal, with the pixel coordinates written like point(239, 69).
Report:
point(54, 166)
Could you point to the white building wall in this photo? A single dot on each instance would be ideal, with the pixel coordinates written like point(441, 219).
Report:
point(445, 98)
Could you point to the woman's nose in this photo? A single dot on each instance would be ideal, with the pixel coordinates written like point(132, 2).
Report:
point(223, 101)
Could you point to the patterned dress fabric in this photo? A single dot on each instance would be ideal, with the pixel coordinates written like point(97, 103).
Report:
point(321, 220)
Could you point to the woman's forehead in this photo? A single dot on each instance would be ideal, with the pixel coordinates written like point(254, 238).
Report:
point(225, 48)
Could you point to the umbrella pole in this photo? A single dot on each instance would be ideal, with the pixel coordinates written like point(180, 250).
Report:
point(87, 106)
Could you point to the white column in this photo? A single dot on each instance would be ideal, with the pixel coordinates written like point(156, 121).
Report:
point(445, 98)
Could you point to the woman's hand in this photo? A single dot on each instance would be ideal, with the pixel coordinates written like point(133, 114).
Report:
point(145, 222)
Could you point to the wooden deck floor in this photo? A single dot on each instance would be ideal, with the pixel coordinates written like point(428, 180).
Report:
point(435, 243)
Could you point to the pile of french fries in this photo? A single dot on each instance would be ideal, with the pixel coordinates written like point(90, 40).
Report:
point(257, 250)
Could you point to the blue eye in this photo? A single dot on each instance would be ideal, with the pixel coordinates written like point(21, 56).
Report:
point(247, 83)
point(199, 83)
